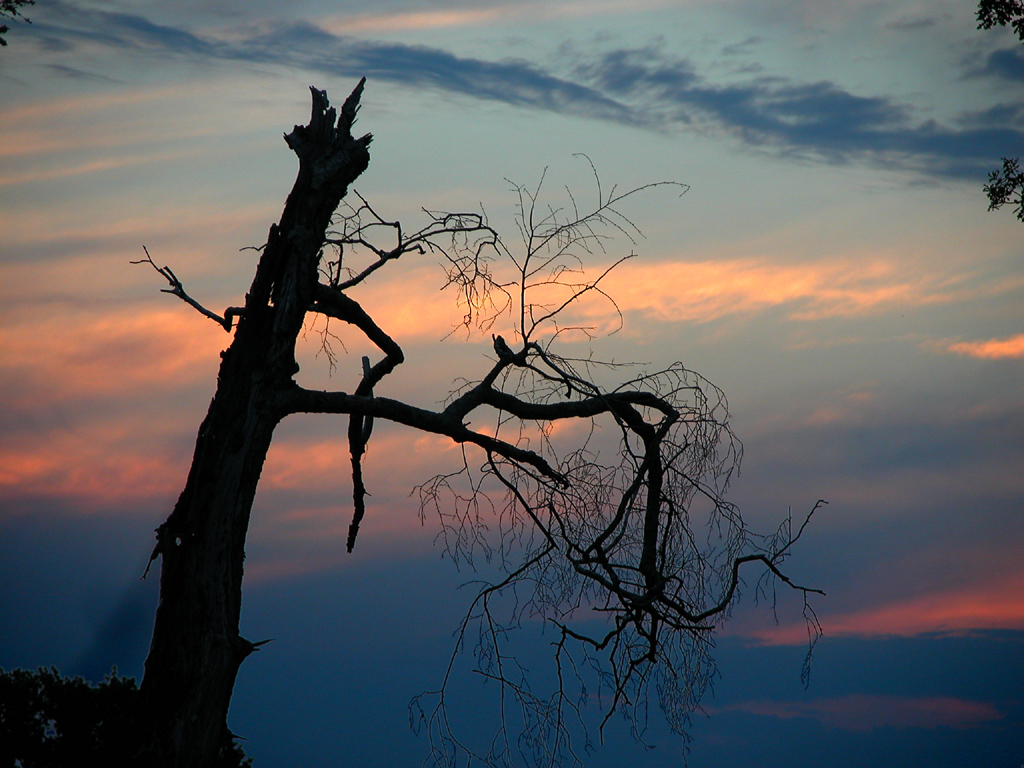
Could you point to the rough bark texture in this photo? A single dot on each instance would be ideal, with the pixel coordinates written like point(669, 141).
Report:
point(196, 648)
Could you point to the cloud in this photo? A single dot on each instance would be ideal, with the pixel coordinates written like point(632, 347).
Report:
point(324, 463)
point(817, 119)
point(500, 13)
point(98, 468)
point(863, 712)
point(1007, 63)
point(642, 87)
point(702, 291)
point(856, 286)
point(94, 166)
point(72, 73)
point(77, 356)
point(515, 82)
point(308, 46)
point(432, 19)
point(989, 606)
point(121, 30)
point(991, 349)
point(79, 388)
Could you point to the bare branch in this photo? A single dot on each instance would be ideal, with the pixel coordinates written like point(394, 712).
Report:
point(178, 290)
point(299, 400)
point(464, 241)
point(614, 535)
point(634, 563)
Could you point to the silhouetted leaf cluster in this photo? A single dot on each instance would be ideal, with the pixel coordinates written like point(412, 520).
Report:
point(1006, 187)
point(9, 8)
point(1003, 185)
point(51, 721)
point(1001, 13)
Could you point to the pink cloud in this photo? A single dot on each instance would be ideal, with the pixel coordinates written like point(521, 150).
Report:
point(959, 610)
point(324, 464)
point(85, 466)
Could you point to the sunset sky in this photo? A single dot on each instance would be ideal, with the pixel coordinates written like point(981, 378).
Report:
point(832, 267)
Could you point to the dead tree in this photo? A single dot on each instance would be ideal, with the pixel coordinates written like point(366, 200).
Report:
point(616, 538)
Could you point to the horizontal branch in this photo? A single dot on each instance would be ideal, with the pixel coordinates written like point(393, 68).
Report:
point(610, 402)
point(297, 399)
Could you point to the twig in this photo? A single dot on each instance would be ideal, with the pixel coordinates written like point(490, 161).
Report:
point(178, 290)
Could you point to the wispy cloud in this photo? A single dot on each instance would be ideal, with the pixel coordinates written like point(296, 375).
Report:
point(977, 607)
point(709, 290)
point(991, 349)
point(100, 468)
point(483, 14)
point(863, 712)
point(94, 166)
point(644, 87)
point(71, 357)
point(816, 119)
point(432, 19)
point(677, 291)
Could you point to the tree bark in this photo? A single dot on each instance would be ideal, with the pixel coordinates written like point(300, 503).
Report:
point(196, 648)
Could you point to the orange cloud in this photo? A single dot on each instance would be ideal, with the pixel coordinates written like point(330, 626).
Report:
point(692, 292)
point(409, 305)
point(675, 291)
point(113, 119)
point(39, 112)
point(993, 349)
point(679, 291)
point(861, 712)
point(59, 356)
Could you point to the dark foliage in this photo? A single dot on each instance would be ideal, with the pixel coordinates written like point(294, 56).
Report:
point(1003, 185)
point(51, 721)
point(9, 8)
point(1001, 13)
point(1007, 187)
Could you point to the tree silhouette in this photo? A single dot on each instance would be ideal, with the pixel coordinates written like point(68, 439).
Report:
point(1001, 13)
point(1007, 184)
point(51, 721)
point(1006, 187)
point(11, 9)
point(640, 535)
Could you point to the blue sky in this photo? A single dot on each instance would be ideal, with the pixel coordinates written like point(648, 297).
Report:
point(832, 268)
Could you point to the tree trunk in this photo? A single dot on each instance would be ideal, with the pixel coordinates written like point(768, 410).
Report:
point(196, 648)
